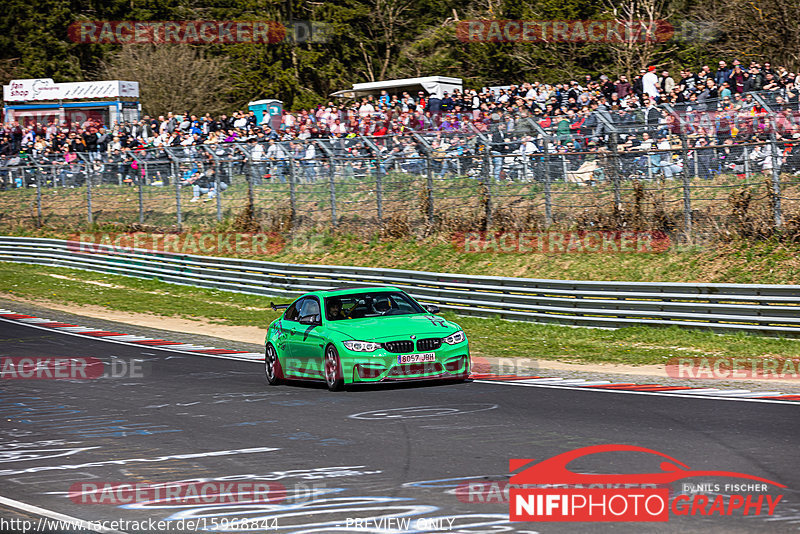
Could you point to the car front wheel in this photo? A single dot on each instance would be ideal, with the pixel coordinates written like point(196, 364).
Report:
point(272, 366)
point(334, 377)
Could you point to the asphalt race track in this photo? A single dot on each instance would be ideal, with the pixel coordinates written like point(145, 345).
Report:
point(377, 454)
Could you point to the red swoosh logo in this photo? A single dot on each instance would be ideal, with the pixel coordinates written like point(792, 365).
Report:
point(554, 470)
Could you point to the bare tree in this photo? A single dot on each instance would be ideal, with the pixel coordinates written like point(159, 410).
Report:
point(639, 42)
point(390, 20)
point(764, 30)
point(175, 77)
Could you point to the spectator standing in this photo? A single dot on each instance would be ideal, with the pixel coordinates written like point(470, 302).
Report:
point(755, 80)
point(447, 103)
point(722, 74)
point(666, 83)
point(103, 140)
point(650, 83)
point(434, 105)
point(737, 79)
point(623, 87)
point(637, 87)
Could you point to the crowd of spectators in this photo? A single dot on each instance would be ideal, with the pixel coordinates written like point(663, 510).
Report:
point(713, 107)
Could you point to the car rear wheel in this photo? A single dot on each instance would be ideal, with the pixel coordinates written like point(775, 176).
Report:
point(272, 366)
point(334, 377)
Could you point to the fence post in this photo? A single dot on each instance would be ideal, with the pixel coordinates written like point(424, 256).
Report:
point(488, 208)
point(746, 163)
point(90, 217)
point(379, 191)
point(487, 187)
point(292, 192)
point(430, 188)
point(548, 197)
point(616, 165)
point(776, 176)
point(331, 172)
point(38, 176)
point(687, 192)
point(141, 195)
point(251, 200)
point(177, 194)
point(218, 190)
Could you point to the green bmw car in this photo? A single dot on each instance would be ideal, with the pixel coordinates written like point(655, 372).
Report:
point(363, 335)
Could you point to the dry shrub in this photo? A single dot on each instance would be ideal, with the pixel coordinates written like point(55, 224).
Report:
point(512, 217)
point(747, 219)
point(396, 226)
point(646, 211)
point(273, 220)
point(451, 221)
point(424, 201)
point(246, 222)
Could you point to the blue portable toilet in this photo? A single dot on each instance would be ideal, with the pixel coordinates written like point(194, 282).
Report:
point(274, 109)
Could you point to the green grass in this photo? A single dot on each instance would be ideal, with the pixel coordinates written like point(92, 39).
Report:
point(488, 337)
point(743, 263)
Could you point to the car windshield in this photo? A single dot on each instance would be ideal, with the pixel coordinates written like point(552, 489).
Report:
point(378, 304)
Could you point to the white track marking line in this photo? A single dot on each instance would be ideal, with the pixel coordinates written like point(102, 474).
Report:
point(77, 524)
point(129, 344)
point(629, 392)
point(131, 338)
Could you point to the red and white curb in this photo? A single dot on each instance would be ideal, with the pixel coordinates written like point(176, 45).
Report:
point(630, 387)
point(531, 381)
point(118, 337)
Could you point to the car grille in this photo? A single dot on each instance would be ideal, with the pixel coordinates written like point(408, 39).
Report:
point(416, 369)
point(399, 346)
point(431, 343)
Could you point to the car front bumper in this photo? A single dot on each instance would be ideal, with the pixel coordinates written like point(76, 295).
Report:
point(451, 362)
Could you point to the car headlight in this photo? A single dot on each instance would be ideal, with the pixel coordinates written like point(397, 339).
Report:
point(455, 338)
point(362, 346)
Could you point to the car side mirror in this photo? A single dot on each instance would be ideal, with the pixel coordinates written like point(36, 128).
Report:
point(432, 308)
point(310, 320)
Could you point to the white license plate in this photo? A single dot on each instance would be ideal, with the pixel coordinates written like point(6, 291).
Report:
point(417, 358)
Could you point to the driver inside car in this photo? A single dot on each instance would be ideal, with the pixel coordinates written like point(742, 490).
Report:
point(383, 305)
point(335, 311)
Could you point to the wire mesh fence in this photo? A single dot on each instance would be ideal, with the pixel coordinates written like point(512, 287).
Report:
point(531, 177)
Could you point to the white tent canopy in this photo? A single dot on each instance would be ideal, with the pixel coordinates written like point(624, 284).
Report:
point(433, 85)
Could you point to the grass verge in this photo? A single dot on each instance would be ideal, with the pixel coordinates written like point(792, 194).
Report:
point(488, 337)
point(738, 261)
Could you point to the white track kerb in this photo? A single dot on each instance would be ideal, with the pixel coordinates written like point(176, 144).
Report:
point(773, 397)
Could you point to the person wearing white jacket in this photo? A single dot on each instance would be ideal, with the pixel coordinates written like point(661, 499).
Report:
point(308, 162)
point(765, 157)
point(667, 165)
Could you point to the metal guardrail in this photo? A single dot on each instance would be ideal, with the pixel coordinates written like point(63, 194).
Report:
point(757, 308)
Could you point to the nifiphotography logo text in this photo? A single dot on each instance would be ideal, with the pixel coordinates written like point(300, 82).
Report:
point(548, 491)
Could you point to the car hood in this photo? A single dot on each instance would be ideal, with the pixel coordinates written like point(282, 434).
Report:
point(392, 327)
